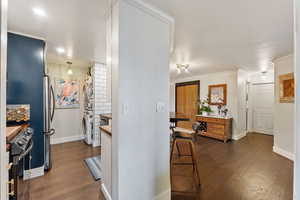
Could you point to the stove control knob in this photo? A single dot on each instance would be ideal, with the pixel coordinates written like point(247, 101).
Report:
point(20, 143)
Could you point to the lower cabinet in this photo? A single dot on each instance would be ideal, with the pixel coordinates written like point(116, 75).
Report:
point(217, 128)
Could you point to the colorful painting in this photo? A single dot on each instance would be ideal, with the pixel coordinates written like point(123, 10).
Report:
point(66, 93)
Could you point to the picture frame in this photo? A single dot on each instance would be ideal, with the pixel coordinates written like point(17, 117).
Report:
point(287, 88)
point(217, 94)
point(67, 94)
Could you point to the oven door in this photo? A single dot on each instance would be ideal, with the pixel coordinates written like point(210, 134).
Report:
point(21, 186)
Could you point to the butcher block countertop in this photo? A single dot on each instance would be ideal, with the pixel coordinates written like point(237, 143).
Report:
point(107, 115)
point(106, 129)
point(13, 131)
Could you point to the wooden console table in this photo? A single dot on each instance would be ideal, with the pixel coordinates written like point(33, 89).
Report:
point(216, 127)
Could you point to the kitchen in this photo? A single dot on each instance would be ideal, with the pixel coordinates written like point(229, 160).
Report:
point(51, 90)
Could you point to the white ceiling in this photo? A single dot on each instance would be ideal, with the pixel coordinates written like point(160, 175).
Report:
point(215, 35)
point(210, 35)
point(75, 25)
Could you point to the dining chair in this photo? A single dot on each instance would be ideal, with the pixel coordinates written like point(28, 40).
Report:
point(186, 138)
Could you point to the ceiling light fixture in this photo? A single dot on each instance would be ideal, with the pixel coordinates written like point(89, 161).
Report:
point(264, 74)
point(39, 12)
point(60, 50)
point(70, 72)
point(182, 68)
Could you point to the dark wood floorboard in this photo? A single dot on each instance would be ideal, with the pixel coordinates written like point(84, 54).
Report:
point(69, 178)
point(239, 170)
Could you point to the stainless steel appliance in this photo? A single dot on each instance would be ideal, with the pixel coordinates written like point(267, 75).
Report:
point(49, 109)
point(20, 151)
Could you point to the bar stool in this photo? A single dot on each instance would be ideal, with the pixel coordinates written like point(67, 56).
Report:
point(187, 137)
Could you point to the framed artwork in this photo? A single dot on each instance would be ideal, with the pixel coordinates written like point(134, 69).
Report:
point(217, 94)
point(66, 93)
point(287, 88)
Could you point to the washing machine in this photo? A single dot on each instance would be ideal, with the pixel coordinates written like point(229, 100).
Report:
point(88, 126)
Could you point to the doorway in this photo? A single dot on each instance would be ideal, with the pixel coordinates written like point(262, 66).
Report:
point(187, 96)
point(262, 107)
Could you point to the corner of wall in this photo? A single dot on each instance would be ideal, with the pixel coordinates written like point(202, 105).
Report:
point(165, 195)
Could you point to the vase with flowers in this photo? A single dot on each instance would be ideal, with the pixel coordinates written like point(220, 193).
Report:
point(204, 108)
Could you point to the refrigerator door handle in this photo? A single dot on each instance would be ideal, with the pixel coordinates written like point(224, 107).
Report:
point(53, 103)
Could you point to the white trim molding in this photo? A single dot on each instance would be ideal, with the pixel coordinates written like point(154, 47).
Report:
point(105, 192)
point(3, 55)
point(66, 139)
point(165, 195)
point(34, 173)
point(240, 136)
point(284, 153)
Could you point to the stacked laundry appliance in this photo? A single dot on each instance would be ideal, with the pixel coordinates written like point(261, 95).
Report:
point(88, 113)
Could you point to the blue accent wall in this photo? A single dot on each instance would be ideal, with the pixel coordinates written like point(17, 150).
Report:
point(25, 71)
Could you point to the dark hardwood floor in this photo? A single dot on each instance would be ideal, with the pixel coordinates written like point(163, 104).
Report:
point(69, 178)
point(239, 170)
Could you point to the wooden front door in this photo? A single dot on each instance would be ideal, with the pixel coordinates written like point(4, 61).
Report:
point(187, 95)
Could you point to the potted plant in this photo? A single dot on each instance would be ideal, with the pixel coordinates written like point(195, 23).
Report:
point(204, 108)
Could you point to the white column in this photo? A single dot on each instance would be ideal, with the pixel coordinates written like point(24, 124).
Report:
point(297, 100)
point(140, 47)
point(3, 46)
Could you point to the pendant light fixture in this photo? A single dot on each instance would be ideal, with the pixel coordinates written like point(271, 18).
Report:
point(70, 72)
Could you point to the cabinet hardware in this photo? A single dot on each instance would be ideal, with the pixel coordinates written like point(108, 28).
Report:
point(12, 182)
point(11, 193)
point(9, 166)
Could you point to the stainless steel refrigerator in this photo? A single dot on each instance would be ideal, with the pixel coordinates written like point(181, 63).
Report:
point(28, 83)
point(49, 109)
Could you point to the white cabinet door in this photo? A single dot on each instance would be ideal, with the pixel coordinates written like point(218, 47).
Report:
point(262, 108)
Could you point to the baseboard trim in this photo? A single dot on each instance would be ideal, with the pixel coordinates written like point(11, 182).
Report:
point(34, 173)
point(105, 192)
point(165, 195)
point(240, 136)
point(284, 153)
point(66, 139)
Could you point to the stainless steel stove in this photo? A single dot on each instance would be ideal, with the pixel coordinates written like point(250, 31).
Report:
point(20, 158)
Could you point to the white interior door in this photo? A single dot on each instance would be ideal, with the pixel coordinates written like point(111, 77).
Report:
point(262, 108)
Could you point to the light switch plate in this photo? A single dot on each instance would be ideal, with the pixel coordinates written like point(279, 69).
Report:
point(160, 107)
point(125, 108)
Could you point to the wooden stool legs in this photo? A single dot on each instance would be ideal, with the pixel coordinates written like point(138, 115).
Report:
point(192, 154)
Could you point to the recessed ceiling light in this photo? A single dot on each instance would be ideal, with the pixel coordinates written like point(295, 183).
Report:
point(39, 12)
point(60, 50)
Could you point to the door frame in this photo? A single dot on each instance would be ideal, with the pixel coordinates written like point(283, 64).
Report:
point(184, 84)
point(3, 50)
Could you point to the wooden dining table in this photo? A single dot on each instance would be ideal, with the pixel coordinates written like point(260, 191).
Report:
point(176, 117)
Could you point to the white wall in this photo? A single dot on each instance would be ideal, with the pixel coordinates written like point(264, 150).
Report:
point(297, 100)
point(67, 122)
point(140, 74)
point(284, 112)
point(228, 77)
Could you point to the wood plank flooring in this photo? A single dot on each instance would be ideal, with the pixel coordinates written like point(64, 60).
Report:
point(69, 178)
point(239, 170)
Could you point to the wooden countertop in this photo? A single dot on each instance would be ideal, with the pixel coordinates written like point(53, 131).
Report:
point(13, 131)
point(106, 129)
point(107, 115)
point(215, 116)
